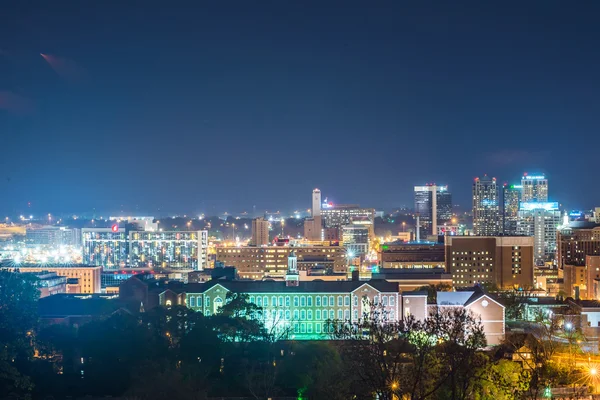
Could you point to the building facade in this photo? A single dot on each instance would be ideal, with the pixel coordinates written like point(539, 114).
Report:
point(486, 207)
point(535, 188)
point(412, 256)
point(504, 261)
point(115, 248)
point(316, 203)
point(510, 207)
point(261, 262)
point(356, 239)
point(433, 203)
point(540, 220)
point(575, 243)
point(336, 216)
point(53, 236)
point(88, 276)
point(302, 311)
point(260, 232)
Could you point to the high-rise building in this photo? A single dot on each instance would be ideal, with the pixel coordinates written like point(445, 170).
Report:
point(486, 207)
point(260, 232)
point(105, 247)
point(444, 206)
point(115, 248)
point(170, 250)
point(316, 203)
point(54, 236)
point(576, 242)
point(505, 261)
point(535, 188)
point(510, 209)
point(540, 220)
point(356, 239)
point(433, 203)
point(338, 215)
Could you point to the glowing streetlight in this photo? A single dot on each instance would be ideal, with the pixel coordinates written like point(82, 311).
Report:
point(593, 372)
point(568, 326)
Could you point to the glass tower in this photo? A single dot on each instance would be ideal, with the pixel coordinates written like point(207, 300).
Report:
point(486, 207)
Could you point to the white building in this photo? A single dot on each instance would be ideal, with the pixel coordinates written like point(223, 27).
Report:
point(540, 220)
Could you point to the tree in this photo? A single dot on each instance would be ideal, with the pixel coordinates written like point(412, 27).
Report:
point(238, 320)
point(415, 359)
point(113, 349)
point(502, 380)
point(433, 289)
point(18, 321)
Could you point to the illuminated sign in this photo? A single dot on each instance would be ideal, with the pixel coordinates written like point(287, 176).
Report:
point(575, 213)
point(516, 186)
point(539, 205)
point(115, 228)
point(535, 177)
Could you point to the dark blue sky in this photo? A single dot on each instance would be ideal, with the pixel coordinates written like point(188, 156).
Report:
point(222, 105)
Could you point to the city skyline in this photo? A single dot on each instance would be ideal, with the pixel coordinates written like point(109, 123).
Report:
point(167, 110)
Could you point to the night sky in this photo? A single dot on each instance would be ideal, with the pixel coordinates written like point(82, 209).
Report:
point(222, 105)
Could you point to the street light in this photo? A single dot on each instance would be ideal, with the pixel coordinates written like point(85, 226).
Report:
point(568, 326)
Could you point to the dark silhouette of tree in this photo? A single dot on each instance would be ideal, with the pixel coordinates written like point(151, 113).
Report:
point(416, 359)
point(18, 321)
point(238, 320)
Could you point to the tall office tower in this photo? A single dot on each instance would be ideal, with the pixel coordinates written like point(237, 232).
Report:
point(540, 220)
point(486, 207)
point(316, 203)
point(444, 206)
point(434, 205)
point(535, 188)
point(510, 209)
point(260, 232)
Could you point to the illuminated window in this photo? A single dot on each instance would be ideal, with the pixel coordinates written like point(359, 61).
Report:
point(295, 301)
point(309, 301)
point(318, 301)
point(303, 301)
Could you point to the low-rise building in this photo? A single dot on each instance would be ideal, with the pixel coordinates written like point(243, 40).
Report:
point(412, 255)
point(483, 306)
point(257, 263)
point(88, 276)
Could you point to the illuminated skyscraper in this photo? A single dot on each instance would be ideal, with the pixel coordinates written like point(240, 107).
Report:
point(316, 203)
point(540, 220)
point(510, 209)
point(260, 232)
point(486, 207)
point(535, 188)
point(434, 205)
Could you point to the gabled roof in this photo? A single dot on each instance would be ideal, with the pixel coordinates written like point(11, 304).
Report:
point(280, 286)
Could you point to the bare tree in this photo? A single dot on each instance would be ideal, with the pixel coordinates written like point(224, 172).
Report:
point(412, 358)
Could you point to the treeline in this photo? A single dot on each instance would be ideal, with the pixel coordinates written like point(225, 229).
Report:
point(177, 353)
